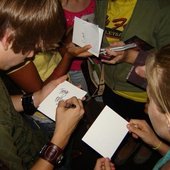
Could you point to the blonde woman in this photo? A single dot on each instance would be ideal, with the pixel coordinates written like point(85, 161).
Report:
point(158, 90)
point(157, 70)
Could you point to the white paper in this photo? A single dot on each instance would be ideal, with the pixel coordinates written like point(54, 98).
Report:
point(63, 91)
point(85, 33)
point(106, 133)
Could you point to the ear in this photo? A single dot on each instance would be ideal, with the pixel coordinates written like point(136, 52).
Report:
point(5, 40)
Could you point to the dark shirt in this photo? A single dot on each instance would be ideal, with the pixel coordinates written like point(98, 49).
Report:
point(19, 143)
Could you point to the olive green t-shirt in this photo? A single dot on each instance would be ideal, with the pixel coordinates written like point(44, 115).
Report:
point(19, 143)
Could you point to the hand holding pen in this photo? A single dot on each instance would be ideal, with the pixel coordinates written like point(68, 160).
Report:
point(119, 48)
point(119, 52)
point(68, 114)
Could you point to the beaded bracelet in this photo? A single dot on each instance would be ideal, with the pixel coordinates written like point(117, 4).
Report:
point(158, 146)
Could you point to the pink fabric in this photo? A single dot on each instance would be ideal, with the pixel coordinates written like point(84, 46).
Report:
point(86, 14)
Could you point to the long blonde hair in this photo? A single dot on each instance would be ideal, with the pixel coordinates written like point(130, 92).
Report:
point(158, 76)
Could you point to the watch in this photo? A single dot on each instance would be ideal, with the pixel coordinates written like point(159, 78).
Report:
point(28, 104)
point(51, 153)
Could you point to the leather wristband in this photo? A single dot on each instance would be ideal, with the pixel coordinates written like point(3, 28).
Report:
point(51, 153)
point(28, 104)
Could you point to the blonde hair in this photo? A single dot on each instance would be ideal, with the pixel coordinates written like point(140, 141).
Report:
point(158, 76)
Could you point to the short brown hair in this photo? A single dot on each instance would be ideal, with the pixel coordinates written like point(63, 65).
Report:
point(33, 22)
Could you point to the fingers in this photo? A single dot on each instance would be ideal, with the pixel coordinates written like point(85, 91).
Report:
point(112, 59)
point(108, 165)
point(114, 56)
point(99, 163)
point(75, 101)
point(86, 47)
point(134, 125)
point(78, 51)
point(72, 103)
point(61, 103)
point(83, 51)
point(140, 70)
point(104, 164)
point(138, 127)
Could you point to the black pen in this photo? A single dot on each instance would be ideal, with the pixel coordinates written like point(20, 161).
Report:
point(69, 106)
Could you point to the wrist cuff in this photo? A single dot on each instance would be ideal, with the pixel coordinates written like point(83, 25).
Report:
point(28, 104)
point(51, 153)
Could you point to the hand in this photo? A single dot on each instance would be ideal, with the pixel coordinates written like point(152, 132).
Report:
point(67, 118)
point(72, 49)
point(77, 51)
point(40, 95)
point(140, 70)
point(140, 128)
point(104, 164)
point(113, 57)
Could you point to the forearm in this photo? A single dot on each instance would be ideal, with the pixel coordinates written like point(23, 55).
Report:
point(58, 139)
point(27, 78)
point(17, 102)
point(43, 164)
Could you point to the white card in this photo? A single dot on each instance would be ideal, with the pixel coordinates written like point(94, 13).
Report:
point(106, 133)
point(63, 91)
point(85, 33)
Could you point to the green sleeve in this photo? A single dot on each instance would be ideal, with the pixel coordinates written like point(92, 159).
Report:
point(8, 150)
point(163, 27)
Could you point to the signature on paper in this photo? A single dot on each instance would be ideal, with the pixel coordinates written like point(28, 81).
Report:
point(63, 92)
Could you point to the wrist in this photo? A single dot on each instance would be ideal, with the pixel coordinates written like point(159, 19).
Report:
point(37, 100)
point(51, 153)
point(60, 139)
point(68, 56)
point(131, 56)
point(157, 146)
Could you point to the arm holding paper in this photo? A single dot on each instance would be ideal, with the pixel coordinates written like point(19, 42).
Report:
point(78, 51)
point(69, 48)
point(141, 129)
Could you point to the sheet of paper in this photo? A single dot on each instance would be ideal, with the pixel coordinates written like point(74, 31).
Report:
point(63, 91)
point(106, 133)
point(85, 33)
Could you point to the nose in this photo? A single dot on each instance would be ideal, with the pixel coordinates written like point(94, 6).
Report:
point(30, 54)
